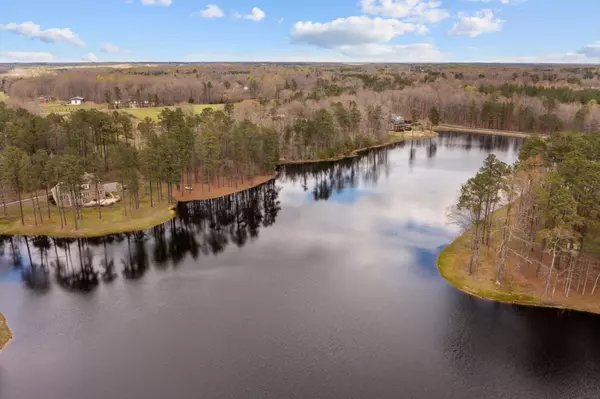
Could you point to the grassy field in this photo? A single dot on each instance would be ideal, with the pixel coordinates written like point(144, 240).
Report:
point(153, 112)
point(60, 108)
point(113, 220)
point(138, 113)
point(5, 333)
point(519, 286)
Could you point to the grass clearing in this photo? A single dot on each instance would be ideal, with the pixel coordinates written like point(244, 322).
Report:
point(63, 108)
point(113, 219)
point(138, 113)
point(153, 112)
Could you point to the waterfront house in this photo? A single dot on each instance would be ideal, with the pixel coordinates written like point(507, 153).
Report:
point(87, 194)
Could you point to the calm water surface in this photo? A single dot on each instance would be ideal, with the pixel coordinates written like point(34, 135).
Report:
point(322, 284)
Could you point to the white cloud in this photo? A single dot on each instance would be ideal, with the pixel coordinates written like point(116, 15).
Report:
point(164, 3)
point(91, 57)
point(501, 1)
point(417, 52)
point(23, 56)
point(350, 31)
point(255, 15)
point(52, 35)
point(476, 24)
point(591, 50)
point(280, 20)
point(111, 48)
point(415, 10)
point(211, 11)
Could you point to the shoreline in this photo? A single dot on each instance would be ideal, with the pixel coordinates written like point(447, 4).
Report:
point(448, 269)
point(396, 138)
point(223, 191)
point(477, 130)
point(158, 216)
point(6, 334)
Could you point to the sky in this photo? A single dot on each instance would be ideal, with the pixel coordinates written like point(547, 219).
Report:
point(557, 31)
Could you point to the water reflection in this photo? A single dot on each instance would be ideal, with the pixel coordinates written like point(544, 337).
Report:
point(201, 228)
point(336, 279)
point(209, 227)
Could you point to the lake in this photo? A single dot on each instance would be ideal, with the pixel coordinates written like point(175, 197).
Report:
point(321, 284)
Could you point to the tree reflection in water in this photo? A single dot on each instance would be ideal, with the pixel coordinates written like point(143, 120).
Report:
point(200, 228)
point(209, 227)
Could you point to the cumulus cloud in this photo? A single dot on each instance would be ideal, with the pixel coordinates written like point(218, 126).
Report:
point(24, 56)
point(501, 1)
point(476, 24)
point(414, 10)
point(591, 50)
point(350, 31)
point(416, 52)
point(52, 35)
point(211, 11)
point(91, 57)
point(365, 38)
point(111, 48)
point(255, 15)
point(164, 3)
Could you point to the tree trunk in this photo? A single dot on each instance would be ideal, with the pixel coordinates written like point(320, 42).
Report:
point(37, 200)
point(20, 201)
point(551, 269)
point(3, 200)
point(124, 198)
point(151, 203)
point(74, 206)
point(34, 210)
point(473, 248)
point(48, 202)
point(98, 202)
point(503, 247)
point(596, 283)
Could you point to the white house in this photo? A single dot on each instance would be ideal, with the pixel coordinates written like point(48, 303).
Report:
point(77, 100)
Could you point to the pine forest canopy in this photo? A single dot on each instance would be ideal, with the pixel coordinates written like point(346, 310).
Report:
point(550, 212)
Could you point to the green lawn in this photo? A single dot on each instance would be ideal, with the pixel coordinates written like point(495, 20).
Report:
point(113, 219)
point(138, 113)
point(58, 107)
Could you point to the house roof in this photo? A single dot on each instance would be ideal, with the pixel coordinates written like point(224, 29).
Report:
point(77, 98)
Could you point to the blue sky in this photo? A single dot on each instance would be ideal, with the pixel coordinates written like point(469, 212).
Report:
point(308, 30)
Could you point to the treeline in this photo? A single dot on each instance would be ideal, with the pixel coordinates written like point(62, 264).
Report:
point(560, 94)
point(540, 217)
point(211, 149)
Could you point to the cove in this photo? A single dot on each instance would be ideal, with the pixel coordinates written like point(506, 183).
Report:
point(320, 284)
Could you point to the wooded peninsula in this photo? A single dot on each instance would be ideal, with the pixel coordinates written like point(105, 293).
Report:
point(532, 229)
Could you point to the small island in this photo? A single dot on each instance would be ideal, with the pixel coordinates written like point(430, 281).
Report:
point(5, 333)
point(531, 230)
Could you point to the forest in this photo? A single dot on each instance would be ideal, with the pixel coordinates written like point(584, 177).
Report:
point(534, 226)
point(540, 99)
point(210, 149)
point(270, 114)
